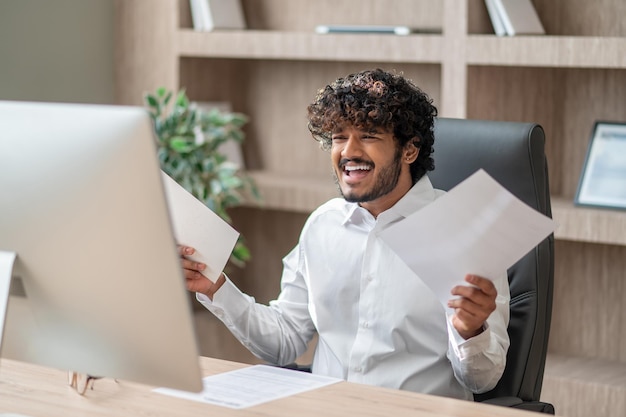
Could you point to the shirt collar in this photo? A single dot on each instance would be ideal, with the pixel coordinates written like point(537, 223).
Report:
point(420, 195)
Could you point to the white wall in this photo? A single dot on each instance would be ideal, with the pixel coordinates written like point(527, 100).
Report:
point(57, 50)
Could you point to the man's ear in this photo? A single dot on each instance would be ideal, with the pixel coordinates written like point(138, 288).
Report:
point(411, 150)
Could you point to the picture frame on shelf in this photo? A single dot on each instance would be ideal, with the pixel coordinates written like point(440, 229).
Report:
point(603, 177)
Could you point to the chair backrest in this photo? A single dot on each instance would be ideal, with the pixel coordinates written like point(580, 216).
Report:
point(513, 154)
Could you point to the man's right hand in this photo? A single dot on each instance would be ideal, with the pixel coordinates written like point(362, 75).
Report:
point(194, 280)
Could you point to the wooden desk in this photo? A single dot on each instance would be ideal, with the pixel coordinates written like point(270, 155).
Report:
point(43, 392)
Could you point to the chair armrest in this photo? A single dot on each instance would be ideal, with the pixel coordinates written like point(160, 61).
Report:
point(515, 402)
point(297, 367)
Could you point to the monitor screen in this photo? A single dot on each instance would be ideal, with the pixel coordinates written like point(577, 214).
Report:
point(96, 286)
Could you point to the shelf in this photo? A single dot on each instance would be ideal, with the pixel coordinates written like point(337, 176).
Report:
point(547, 51)
point(292, 193)
point(257, 44)
point(302, 194)
point(524, 51)
point(585, 224)
point(585, 386)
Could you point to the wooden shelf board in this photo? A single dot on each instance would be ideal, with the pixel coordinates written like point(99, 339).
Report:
point(258, 44)
point(292, 193)
point(587, 370)
point(303, 194)
point(524, 51)
point(546, 51)
point(587, 224)
point(585, 386)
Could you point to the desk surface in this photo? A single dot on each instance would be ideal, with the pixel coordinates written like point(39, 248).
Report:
point(37, 391)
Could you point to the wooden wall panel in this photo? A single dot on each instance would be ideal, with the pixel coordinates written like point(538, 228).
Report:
point(304, 15)
point(157, 66)
point(586, 96)
point(582, 17)
point(275, 94)
point(478, 18)
point(588, 317)
point(524, 95)
point(270, 235)
point(566, 102)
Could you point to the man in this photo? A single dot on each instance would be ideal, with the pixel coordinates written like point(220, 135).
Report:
point(376, 320)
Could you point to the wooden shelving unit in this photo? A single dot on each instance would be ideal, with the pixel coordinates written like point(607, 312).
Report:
point(547, 51)
point(263, 44)
point(565, 81)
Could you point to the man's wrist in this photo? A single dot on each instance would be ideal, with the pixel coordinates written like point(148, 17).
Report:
point(469, 335)
point(216, 286)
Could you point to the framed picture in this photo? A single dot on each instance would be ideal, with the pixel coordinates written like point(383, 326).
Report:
point(603, 178)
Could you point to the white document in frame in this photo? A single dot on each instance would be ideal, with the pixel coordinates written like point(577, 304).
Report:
point(478, 228)
point(198, 226)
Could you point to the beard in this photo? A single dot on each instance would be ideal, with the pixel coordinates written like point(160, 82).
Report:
point(386, 181)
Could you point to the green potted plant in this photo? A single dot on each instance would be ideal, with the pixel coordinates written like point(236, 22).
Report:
point(188, 143)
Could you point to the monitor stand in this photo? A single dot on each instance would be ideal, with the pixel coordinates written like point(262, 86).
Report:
point(7, 259)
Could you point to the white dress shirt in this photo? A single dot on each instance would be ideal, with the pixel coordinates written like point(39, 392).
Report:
point(377, 322)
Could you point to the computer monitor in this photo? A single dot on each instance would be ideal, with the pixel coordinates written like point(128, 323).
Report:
point(97, 285)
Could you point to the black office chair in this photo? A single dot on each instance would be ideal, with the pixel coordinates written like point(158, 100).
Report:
point(513, 154)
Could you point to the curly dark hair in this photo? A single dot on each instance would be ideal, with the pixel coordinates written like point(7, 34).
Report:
point(377, 99)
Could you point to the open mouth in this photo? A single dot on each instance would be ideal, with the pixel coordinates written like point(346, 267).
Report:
point(356, 170)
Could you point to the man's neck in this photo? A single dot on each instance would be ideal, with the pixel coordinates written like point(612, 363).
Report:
point(384, 203)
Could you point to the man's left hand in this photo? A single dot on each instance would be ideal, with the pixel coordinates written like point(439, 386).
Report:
point(473, 305)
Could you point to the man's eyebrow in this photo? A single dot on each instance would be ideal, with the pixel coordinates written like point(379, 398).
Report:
point(376, 130)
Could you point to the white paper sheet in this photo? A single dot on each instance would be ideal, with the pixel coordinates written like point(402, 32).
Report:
point(478, 227)
point(197, 226)
point(252, 385)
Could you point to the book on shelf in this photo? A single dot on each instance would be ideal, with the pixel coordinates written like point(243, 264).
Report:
point(200, 15)
point(207, 15)
point(514, 17)
point(496, 22)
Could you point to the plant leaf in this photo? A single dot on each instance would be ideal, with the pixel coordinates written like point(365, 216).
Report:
point(200, 166)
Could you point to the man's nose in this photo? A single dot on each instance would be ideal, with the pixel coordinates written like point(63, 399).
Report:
point(353, 148)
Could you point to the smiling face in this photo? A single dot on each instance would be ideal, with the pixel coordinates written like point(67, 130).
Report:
point(370, 167)
point(373, 122)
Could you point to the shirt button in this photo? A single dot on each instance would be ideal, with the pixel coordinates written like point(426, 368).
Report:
point(365, 324)
point(357, 369)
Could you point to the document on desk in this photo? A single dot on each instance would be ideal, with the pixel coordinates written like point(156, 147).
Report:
point(197, 226)
point(478, 228)
point(252, 385)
